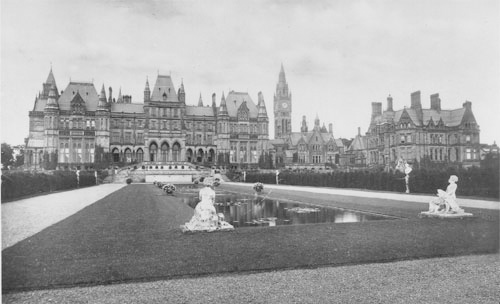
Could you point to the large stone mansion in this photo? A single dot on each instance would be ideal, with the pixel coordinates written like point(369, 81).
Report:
point(72, 124)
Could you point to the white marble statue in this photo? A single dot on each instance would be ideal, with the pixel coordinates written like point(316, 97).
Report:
point(205, 216)
point(446, 202)
point(408, 170)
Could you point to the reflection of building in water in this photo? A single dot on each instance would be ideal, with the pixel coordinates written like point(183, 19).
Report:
point(347, 217)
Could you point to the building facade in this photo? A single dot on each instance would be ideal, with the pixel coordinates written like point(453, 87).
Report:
point(77, 126)
point(415, 134)
point(307, 148)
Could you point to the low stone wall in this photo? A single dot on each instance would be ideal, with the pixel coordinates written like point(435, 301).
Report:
point(170, 178)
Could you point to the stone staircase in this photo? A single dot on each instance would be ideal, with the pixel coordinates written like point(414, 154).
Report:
point(139, 173)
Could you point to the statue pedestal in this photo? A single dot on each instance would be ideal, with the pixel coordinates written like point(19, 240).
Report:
point(445, 215)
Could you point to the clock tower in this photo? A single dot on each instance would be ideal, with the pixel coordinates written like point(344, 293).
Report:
point(282, 108)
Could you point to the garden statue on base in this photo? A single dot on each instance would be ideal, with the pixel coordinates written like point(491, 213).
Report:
point(408, 170)
point(445, 205)
point(205, 216)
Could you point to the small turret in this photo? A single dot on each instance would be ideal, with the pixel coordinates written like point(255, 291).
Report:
point(316, 123)
point(200, 102)
point(120, 98)
point(223, 106)
point(181, 95)
point(102, 105)
point(262, 107)
point(147, 92)
point(303, 126)
point(52, 99)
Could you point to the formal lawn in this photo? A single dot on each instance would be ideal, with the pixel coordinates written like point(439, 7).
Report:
point(133, 235)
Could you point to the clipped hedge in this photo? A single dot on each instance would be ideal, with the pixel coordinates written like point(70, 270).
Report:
point(472, 181)
point(20, 184)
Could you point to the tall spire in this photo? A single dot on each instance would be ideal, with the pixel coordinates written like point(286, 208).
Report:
point(282, 77)
point(48, 85)
point(282, 91)
point(181, 94)
point(119, 99)
point(102, 99)
point(262, 107)
point(223, 107)
point(200, 102)
point(50, 78)
point(147, 91)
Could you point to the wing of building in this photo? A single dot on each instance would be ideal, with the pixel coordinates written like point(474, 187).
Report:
point(419, 135)
point(78, 127)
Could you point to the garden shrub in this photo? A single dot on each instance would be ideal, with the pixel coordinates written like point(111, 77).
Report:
point(481, 182)
point(20, 184)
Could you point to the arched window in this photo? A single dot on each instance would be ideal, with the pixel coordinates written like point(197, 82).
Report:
point(116, 155)
point(128, 156)
point(176, 152)
point(164, 152)
point(189, 155)
point(140, 155)
point(153, 151)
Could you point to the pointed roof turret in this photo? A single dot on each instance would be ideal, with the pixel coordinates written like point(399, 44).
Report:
point(52, 99)
point(147, 91)
point(316, 122)
point(282, 77)
point(200, 102)
point(102, 99)
point(282, 92)
point(50, 78)
point(48, 85)
point(262, 107)
point(119, 99)
point(223, 106)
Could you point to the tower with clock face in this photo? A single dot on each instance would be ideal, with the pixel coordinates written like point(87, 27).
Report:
point(282, 108)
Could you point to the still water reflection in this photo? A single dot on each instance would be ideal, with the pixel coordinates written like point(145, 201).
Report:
point(246, 210)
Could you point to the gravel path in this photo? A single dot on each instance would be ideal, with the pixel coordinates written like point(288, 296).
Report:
point(23, 218)
point(466, 279)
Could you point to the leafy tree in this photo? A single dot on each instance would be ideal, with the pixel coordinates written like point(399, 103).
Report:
point(7, 156)
point(19, 159)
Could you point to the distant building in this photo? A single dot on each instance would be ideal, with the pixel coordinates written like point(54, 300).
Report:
point(73, 126)
point(418, 134)
point(307, 148)
point(491, 150)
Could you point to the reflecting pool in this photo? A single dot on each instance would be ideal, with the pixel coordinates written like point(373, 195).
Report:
point(242, 210)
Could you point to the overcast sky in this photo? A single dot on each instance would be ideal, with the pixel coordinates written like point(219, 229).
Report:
point(339, 56)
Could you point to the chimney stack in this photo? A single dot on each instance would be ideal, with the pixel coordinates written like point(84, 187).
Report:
point(110, 98)
point(359, 131)
point(376, 109)
point(468, 105)
point(389, 104)
point(435, 102)
point(330, 128)
point(415, 100)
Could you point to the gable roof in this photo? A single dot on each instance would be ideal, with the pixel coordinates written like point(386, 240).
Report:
point(199, 111)
point(357, 144)
point(164, 85)
point(234, 101)
point(137, 108)
point(86, 90)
